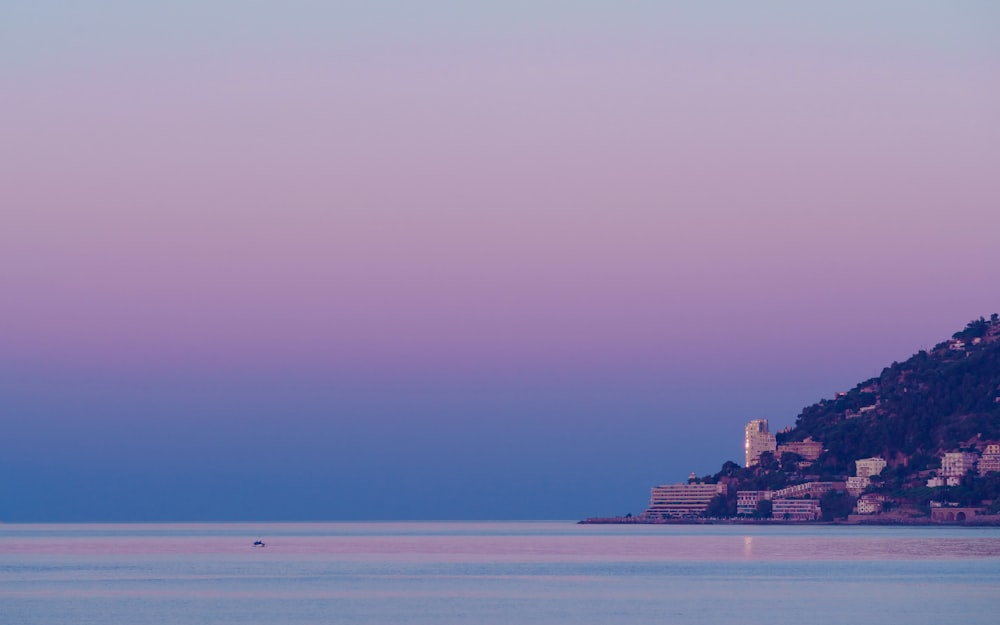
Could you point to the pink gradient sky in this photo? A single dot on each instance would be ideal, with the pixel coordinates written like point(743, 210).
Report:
point(518, 200)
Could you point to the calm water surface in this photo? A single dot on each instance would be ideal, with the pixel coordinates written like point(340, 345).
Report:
point(503, 572)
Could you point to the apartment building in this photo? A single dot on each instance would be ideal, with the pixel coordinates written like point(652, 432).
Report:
point(757, 440)
point(796, 509)
point(857, 485)
point(990, 460)
point(958, 463)
point(747, 500)
point(813, 490)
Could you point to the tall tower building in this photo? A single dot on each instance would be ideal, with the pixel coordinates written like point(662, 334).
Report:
point(758, 440)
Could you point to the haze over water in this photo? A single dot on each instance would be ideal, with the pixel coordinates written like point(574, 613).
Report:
point(542, 573)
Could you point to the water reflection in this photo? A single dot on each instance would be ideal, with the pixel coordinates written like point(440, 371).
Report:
point(482, 574)
point(511, 542)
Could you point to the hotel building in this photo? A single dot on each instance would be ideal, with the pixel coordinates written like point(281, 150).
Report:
point(682, 500)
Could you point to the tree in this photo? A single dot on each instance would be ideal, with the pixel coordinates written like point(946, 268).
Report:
point(976, 328)
point(719, 508)
point(790, 461)
point(768, 462)
point(836, 505)
point(763, 510)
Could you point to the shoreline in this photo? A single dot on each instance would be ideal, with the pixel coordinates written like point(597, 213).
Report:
point(896, 522)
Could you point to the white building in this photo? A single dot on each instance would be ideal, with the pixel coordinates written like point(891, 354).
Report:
point(868, 467)
point(814, 490)
point(796, 509)
point(871, 504)
point(808, 449)
point(958, 463)
point(938, 482)
point(758, 440)
point(682, 500)
point(747, 500)
point(990, 460)
point(857, 485)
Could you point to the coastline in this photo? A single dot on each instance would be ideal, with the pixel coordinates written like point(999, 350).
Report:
point(993, 521)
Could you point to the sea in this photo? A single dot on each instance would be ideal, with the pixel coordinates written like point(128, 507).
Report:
point(475, 573)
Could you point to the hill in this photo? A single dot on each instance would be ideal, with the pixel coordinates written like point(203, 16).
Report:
point(936, 401)
point(920, 416)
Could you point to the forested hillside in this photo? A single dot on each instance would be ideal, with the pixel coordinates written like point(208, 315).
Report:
point(935, 401)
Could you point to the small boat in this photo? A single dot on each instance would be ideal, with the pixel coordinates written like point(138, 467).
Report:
point(258, 543)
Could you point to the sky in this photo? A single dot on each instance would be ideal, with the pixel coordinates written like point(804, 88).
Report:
point(313, 260)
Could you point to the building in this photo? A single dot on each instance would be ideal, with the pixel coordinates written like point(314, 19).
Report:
point(797, 503)
point(758, 440)
point(814, 490)
point(990, 460)
point(868, 467)
point(937, 482)
point(958, 463)
point(871, 503)
point(796, 509)
point(947, 514)
point(682, 500)
point(857, 485)
point(808, 449)
point(747, 500)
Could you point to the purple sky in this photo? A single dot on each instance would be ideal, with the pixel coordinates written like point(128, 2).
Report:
point(396, 260)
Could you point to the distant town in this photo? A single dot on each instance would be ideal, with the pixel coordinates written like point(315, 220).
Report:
point(917, 414)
